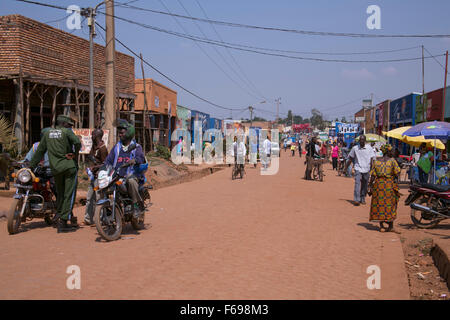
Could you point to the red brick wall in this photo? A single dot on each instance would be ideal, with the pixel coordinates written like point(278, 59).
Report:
point(44, 51)
point(155, 89)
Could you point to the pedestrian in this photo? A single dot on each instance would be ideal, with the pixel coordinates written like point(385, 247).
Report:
point(293, 149)
point(63, 147)
point(97, 157)
point(311, 153)
point(335, 156)
point(384, 189)
point(323, 150)
point(425, 163)
point(300, 147)
point(267, 147)
point(285, 144)
point(362, 156)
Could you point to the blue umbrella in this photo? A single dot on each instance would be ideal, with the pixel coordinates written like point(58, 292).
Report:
point(430, 130)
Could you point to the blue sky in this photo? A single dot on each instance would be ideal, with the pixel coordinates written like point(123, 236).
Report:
point(302, 85)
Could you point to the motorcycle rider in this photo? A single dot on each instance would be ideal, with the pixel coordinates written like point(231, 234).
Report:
point(63, 147)
point(121, 154)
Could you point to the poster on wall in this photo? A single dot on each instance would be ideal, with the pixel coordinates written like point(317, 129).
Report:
point(85, 136)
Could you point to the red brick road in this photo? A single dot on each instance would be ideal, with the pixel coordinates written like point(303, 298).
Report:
point(263, 237)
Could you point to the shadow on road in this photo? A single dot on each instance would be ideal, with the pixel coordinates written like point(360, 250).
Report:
point(369, 226)
point(27, 226)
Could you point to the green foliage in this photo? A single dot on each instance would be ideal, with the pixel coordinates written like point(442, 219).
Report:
point(7, 138)
point(160, 152)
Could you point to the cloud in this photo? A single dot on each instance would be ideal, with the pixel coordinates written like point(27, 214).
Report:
point(389, 71)
point(359, 74)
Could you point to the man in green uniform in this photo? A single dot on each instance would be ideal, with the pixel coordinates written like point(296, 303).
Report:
point(62, 146)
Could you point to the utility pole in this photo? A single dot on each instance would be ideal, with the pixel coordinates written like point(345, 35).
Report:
point(91, 23)
point(145, 106)
point(445, 86)
point(110, 90)
point(423, 74)
point(251, 116)
point(278, 108)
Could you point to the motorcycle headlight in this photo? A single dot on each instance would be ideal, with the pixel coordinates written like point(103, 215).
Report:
point(24, 176)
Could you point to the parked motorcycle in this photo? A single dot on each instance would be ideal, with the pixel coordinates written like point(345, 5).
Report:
point(429, 204)
point(34, 197)
point(115, 207)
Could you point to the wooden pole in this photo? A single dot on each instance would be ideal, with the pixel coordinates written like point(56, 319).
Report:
point(445, 86)
point(77, 106)
point(110, 90)
point(145, 105)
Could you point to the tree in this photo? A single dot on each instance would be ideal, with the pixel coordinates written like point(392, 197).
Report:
point(317, 119)
point(343, 119)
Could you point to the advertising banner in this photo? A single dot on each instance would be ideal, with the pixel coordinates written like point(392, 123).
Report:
point(85, 136)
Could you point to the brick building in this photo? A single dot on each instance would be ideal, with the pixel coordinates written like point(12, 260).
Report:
point(161, 111)
point(44, 71)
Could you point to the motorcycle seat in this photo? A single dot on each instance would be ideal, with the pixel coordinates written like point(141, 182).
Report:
point(436, 187)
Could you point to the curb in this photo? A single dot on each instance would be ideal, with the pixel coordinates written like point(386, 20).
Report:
point(440, 254)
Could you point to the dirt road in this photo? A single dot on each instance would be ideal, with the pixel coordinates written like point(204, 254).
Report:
point(263, 237)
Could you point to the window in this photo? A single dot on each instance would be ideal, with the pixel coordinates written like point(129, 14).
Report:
point(156, 101)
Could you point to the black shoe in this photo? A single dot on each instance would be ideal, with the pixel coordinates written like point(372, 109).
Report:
point(64, 227)
point(356, 203)
point(363, 201)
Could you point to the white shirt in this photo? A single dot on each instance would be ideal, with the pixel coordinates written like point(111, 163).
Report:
point(241, 149)
point(267, 146)
point(363, 157)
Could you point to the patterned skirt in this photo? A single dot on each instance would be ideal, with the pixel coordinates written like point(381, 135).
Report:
point(385, 196)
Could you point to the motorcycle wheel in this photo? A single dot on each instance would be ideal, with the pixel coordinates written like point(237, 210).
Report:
point(423, 220)
point(241, 173)
point(109, 229)
point(14, 216)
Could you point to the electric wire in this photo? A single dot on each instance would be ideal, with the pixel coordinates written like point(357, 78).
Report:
point(168, 78)
point(303, 32)
point(240, 25)
point(229, 53)
point(207, 54)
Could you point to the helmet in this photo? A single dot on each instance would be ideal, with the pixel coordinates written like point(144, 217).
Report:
point(124, 124)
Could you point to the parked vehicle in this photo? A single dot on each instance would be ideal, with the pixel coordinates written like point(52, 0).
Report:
point(115, 207)
point(34, 197)
point(429, 204)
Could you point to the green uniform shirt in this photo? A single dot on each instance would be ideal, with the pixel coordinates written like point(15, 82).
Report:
point(58, 142)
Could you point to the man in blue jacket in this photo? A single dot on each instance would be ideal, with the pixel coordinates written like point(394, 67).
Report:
point(127, 151)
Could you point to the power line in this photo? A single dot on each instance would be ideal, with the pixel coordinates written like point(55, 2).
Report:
point(229, 53)
point(218, 53)
point(194, 38)
point(304, 32)
point(207, 55)
point(168, 78)
point(436, 60)
point(240, 25)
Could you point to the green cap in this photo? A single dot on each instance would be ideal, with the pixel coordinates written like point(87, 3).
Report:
point(63, 118)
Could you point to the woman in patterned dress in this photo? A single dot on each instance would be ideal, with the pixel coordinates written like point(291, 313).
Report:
point(384, 189)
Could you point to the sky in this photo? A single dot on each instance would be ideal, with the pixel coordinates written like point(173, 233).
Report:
point(237, 79)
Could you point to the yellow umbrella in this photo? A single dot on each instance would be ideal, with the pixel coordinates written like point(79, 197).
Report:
point(413, 141)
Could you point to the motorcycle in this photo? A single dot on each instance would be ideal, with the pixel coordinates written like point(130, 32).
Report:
point(429, 204)
point(34, 197)
point(115, 207)
point(341, 167)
